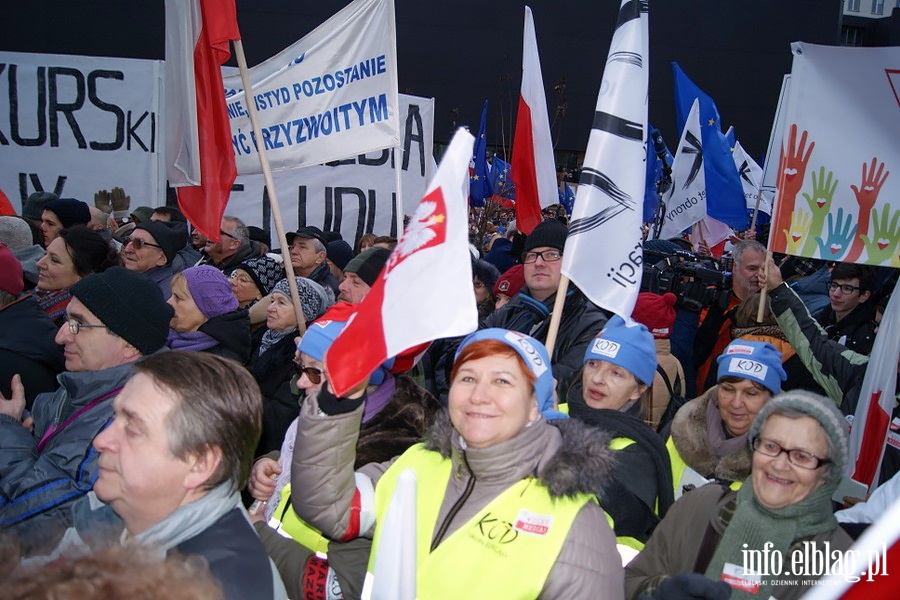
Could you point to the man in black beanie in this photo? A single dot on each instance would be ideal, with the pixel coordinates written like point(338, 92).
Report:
point(529, 311)
point(150, 250)
point(46, 458)
point(361, 273)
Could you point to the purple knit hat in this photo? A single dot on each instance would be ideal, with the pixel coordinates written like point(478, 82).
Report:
point(210, 290)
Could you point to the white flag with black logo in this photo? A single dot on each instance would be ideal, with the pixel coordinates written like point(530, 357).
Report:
point(686, 199)
point(603, 253)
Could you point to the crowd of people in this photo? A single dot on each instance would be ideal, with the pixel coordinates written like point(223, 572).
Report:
point(163, 413)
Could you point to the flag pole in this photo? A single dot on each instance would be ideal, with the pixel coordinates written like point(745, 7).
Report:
point(270, 184)
point(756, 209)
point(398, 200)
point(556, 315)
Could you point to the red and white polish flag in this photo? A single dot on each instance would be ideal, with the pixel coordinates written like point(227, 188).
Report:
point(533, 166)
point(199, 154)
point(425, 290)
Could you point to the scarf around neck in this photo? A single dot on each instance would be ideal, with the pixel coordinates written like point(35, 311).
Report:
point(272, 337)
point(754, 525)
point(190, 340)
point(719, 441)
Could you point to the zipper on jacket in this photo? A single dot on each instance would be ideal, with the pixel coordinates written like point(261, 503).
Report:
point(442, 530)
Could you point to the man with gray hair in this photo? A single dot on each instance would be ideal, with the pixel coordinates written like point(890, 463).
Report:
point(232, 249)
point(172, 463)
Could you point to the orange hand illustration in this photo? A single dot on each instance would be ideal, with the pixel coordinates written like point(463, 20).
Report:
point(866, 195)
point(791, 172)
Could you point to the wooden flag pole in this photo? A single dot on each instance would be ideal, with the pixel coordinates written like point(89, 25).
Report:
point(398, 199)
point(270, 184)
point(756, 209)
point(556, 315)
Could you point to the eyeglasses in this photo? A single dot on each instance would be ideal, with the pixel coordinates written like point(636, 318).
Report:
point(846, 288)
point(313, 374)
point(547, 255)
point(798, 458)
point(75, 326)
point(226, 234)
point(240, 277)
point(138, 243)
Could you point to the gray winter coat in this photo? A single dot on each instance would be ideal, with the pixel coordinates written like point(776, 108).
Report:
point(573, 459)
point(37, 488)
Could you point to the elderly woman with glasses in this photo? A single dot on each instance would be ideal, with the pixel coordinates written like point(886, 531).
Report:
point(760, 541)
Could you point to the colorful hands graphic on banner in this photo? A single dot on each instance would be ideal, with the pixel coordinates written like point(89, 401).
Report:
point(804, 232)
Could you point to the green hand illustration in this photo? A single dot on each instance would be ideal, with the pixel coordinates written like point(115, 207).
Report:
point(880, 248)
point(819, 203)
point(798, 231)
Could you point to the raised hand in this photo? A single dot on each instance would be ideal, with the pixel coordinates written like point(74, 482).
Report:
point(866, 195)
point(880, 248)
point(103, 201)
point(840, 235)
point(796, 234)
point(791, 171)
point(819, 203)
point(15, 405)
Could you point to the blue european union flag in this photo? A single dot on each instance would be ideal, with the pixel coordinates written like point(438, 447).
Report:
point(479, 183)
point(567, 198)
point(658, 156)
point(724, 192)
point(501, 182)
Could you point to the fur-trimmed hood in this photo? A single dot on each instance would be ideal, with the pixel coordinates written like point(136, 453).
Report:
point(689, 433)
point(578, 460)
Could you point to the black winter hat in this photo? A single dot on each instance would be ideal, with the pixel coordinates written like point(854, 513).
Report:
point(339, 252)
point(129, 304)
point(367, 265)
point(171, 236)
point(486, 273)
point(35, 204)
point(69, 211)
point(551, 234)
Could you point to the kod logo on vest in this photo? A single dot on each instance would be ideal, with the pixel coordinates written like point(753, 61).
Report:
point(750, 368)
point(528, 351)
point(606, 348)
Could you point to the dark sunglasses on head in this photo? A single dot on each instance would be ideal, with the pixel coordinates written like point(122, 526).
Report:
point(312, 373)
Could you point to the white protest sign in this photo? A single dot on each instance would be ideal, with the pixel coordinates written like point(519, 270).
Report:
point(74, 125)
point(330, 95)
point(353, 196)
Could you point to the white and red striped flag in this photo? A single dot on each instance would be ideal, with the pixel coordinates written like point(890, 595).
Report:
point(533, 166)
point(425, 290)
point(199, 153)
point(872, 420)
point(868, 570)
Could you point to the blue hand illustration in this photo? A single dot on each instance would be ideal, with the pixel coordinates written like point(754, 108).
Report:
point(840, 235)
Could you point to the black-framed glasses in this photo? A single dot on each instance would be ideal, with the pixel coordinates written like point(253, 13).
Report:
point(844, 287)
point(75, 326)
point(138, 243)
point(313, 374)
point(226, 234)
point(796, 456)
point(546, 255)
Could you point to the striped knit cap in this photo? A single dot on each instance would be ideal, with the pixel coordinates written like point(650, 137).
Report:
point(824, 412)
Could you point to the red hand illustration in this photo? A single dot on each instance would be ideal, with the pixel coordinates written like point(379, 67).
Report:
point(866, 194)
point(791, 172)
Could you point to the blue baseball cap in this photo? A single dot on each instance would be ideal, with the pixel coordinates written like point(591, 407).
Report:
point(319, 337)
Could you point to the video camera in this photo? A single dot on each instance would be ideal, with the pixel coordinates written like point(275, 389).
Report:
point(697, 281)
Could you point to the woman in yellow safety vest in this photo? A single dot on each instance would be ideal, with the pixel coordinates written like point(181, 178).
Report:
point(504, 500)
point(619, 366)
